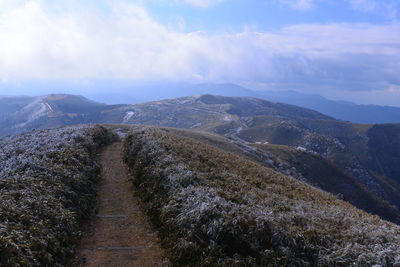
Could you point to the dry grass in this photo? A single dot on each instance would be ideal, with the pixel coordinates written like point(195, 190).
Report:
point(321, 173)
point(214, 208)
point(47, 188)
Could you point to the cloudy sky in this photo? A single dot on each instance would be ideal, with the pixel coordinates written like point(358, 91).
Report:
point(343, 49)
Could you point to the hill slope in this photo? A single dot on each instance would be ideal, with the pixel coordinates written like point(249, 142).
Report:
point(364, 152)
point(320, 172)
point(342, 110)
point(351, 147)
point(22, 114)
point(215, 208)
point(212, 199)
point(304, 166)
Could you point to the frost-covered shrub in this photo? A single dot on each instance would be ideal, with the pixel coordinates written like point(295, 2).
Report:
point(47, 181)
point(213, 208)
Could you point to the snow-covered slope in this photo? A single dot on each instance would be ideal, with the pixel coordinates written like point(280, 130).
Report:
point(21, 114)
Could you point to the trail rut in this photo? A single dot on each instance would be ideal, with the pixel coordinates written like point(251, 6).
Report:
point(120, 234)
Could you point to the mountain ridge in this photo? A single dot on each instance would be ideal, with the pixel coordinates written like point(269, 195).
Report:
point(215, 208)
point(209, 203)
point(356, 149)
point(339, 109)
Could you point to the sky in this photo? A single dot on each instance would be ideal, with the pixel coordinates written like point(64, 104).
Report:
point(341, 49)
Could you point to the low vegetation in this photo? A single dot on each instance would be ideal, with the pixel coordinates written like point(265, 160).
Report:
point(214, 208)
point(320, 172)
point(302, 165)
point(47, 188)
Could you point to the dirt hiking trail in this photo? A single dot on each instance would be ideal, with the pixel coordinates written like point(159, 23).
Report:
point(120, 234)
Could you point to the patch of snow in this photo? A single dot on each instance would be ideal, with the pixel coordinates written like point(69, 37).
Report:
point(41, 111)
point(128, 116)
point(49, 107)
point(227, 119)
point(196, 125)
point(238, 130)
point(300, 148)
point(32, 112)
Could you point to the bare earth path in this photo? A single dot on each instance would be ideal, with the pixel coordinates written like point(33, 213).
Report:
point(120, 234)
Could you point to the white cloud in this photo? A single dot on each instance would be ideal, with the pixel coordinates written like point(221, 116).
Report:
point(129, 44)
point(5, 4)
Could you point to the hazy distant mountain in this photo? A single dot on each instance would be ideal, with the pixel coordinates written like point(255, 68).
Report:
point(127, 93)
point(200, 111)
point(342, 110)
point(21, 114)
point(133, 94)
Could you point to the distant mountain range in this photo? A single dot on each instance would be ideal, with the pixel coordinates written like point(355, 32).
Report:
point(21, 114)
point(122, 93)
point(342, 110)
point(360, 162)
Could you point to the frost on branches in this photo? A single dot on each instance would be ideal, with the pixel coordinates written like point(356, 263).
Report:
point(46, 189)
point(213, 208)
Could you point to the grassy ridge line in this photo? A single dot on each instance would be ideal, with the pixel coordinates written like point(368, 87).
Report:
point(213, 208)
point(304, 166)
point(47, 187)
